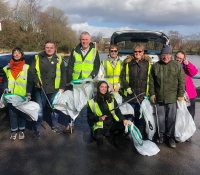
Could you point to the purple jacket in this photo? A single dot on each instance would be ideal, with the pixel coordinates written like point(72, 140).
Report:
point(190, 71)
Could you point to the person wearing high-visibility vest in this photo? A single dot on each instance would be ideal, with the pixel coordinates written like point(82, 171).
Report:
point(134, 79)
point(103, 120)
point(84, 61)
point(49, 75)
point(18, 81)
point(111, 69)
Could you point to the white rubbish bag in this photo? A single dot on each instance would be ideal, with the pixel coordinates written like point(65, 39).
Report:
point(16, 100)
point(184, 126)
point(64, 102)
point(126, 108)
point(72, 102)
point(21, 103)
point(30, 108)
point(144, 147)
point(146, 110)
point(2, 102)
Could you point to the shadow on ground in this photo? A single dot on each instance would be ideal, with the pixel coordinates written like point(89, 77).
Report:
point(73, 154)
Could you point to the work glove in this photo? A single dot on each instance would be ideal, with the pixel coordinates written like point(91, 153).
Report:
point(129, 91)
point(180, 98)
point(153, 99)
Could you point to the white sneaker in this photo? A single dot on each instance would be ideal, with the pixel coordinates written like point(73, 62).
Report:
point(13, 136)
point(21, 135)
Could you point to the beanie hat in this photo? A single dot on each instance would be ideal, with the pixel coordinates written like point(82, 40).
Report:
point(166, 49)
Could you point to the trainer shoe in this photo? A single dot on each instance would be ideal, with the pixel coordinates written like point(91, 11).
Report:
point(69, 129)
point(21, 135)
point(36, 135)
point(172, 143)
point(13, 136)
point(160, 139)
point(57, 130)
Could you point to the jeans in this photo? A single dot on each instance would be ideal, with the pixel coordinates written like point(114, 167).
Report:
point(167, 118)
point(17, 118)
point(191, 108)
point(42, 101)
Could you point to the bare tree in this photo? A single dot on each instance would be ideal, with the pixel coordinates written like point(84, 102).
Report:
point(176, 39)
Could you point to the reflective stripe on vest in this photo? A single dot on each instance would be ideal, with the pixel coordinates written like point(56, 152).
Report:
point(112, 74)
point(17, 86)
point(148, 78)
point(83, 68)
point(96, 110)
point(58, 70)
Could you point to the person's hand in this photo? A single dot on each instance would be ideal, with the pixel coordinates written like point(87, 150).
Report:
point(61, 90)
point(111, 87)
point(117, 88)
point(180, 98)
point(153, 99)
point(126, 122)
point(38, 85)
point(29, 98)
point(185, 61)
point(129, 90)
point(103, 117)
point(6, 91)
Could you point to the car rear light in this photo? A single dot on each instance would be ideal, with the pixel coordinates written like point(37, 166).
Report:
point(1, 80)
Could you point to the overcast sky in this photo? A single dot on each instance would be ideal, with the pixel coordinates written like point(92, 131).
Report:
point(107, 16)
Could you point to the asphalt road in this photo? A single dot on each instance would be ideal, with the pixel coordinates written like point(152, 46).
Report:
point(73, 154)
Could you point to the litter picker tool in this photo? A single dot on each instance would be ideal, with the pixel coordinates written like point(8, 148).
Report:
point(135, 97)
point(156, 112)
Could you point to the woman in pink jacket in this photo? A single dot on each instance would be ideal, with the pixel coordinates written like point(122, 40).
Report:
point(190, 71)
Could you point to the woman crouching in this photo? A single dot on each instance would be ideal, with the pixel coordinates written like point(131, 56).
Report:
point(103, 118)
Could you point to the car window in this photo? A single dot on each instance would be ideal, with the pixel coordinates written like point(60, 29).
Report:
point(149, 45)
point(4, 60)
point(29, 59)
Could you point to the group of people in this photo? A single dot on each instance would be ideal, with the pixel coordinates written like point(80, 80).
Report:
point(164, 82)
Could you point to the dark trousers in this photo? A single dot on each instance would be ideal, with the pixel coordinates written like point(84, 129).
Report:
point(191, 108)
point(116, 128)
point(139, 122)
point(167, 118)
point(42, 101)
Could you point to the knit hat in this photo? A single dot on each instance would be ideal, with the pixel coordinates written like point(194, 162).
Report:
point(166, 49)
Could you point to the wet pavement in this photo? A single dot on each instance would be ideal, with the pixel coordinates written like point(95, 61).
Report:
point(73, 154)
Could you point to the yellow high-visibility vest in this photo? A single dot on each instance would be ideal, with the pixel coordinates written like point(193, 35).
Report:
point(97, 111)
point(18, 85)
point(112, 75)
point(83, 68)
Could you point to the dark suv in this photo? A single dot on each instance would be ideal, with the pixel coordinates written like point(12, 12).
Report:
point(152, 40)
point(4, 60)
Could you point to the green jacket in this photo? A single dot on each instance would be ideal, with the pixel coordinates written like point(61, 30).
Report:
point(167, 81)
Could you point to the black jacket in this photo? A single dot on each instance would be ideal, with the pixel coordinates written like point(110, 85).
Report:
point(72, 60)
point(48, 73)
point(138, 73)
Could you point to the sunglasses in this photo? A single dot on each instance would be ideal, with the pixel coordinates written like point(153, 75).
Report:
point(113, 50)
point(138, 51)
